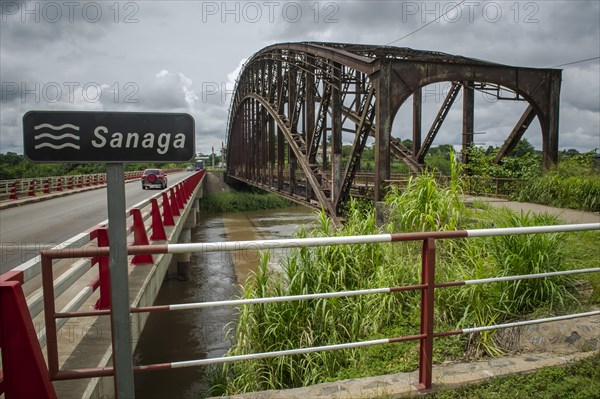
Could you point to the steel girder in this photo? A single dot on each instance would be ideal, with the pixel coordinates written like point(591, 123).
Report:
point(293, 101)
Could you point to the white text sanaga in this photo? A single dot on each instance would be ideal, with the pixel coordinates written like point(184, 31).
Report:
point(160, 142)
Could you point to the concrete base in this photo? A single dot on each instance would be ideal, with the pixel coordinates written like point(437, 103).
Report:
point(402, 385)
point(183, 271)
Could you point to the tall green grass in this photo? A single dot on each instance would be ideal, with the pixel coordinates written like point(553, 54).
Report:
point(424, 205)
point(575, 183)
point(575, 192)
point(239, 201)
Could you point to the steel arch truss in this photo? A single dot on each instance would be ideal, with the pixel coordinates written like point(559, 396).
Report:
point(293, 103)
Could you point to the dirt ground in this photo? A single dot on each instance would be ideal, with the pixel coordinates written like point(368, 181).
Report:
point(214, 184)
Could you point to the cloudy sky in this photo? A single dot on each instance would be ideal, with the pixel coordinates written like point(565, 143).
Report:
point(185, 56)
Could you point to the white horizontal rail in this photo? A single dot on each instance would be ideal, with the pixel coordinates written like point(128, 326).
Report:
point(530, 276)
point(341, 294)
point(235, 302)
point(529, 322)
point(561, 228)
point(300, 351)
point(228, 359)
point(226, 246)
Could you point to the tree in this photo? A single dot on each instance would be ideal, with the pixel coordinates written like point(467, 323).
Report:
point(523, 147)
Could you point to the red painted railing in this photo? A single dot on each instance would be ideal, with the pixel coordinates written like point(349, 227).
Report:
point(24, 372)
point(19, 188)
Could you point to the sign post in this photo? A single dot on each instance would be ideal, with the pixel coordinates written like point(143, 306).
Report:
point(119, 281)
point(112, 138)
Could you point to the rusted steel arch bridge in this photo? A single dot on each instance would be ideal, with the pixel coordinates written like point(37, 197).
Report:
point(293, 101)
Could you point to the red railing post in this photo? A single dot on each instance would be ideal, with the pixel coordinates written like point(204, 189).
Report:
point(167, 213)
point(184, 191)
point(101, 234)
point(31, 188)
point(79, 181)
point(59, 184)
point(174, 206)
point(24, 372)
point(70, 183)
point(13, 191)
point(47, 186)
point(179, 197)
point(139, 237)
point(427, 305)
point(158, 229)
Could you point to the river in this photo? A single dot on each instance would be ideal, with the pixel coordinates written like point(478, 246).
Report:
point(202, 333)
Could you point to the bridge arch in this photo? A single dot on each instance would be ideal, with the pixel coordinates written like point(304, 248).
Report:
point(294, 101)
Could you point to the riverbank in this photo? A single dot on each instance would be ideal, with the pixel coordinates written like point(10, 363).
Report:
point(203, 333)
point(220, 198)
point(214, 184)
point(566, 215)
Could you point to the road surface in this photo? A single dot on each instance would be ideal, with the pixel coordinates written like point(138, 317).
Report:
point(27, 229)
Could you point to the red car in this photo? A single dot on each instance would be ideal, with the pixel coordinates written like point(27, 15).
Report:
point(154, 178)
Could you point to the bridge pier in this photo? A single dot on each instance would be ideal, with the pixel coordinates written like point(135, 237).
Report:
point(184, 260)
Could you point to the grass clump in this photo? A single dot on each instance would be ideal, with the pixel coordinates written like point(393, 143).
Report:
point(574, 184)
point(240, 201)
point(423, 206)
point(580, 380)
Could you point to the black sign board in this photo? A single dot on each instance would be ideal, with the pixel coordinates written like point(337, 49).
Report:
point(80, 137)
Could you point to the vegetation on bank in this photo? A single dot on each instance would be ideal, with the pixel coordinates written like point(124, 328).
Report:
point(424, 206)
point(241, 201)
point(15, 166)
point(574, 183)
point(576, 381)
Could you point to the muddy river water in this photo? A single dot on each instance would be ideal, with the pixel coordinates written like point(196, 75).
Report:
point(202, 333)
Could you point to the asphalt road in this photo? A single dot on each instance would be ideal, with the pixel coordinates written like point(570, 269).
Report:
point(25, 230)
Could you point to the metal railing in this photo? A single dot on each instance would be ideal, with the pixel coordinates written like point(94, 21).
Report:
point(364, 183)
point(149, 221)
point(427, 288)
point(32, 187)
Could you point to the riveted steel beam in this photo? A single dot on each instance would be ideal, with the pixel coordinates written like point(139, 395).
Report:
point(276, 128)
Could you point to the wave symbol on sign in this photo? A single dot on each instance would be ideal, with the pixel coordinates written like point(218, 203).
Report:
point(56, 136)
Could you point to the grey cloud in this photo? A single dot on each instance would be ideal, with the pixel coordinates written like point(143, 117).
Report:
point(176, 38)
